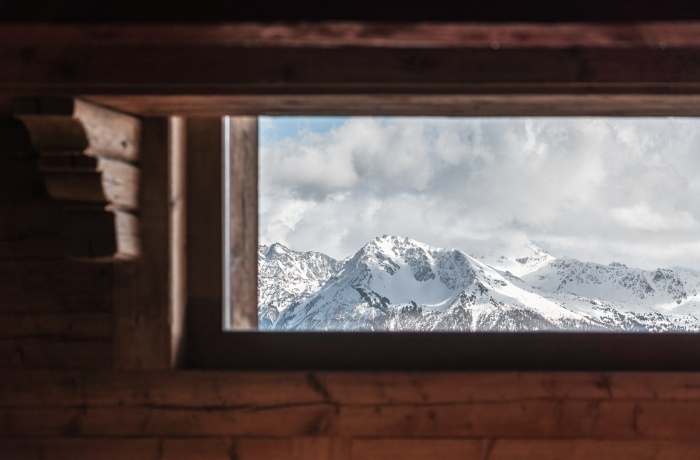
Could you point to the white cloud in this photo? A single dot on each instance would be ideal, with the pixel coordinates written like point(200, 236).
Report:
point(644, 218)
point(587, 188)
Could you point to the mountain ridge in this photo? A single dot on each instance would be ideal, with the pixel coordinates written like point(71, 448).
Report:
point(396, 283)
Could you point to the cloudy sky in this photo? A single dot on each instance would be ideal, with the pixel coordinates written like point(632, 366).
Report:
point(599, 190)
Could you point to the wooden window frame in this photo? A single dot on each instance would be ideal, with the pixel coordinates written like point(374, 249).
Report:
point(202, 72)
point(210, 347)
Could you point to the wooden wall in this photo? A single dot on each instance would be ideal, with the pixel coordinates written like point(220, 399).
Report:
point(69, 391)
point(60, 397)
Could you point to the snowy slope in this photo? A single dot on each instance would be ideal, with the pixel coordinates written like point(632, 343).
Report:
point(286, 276)
point(526, 259)
point(395, 283)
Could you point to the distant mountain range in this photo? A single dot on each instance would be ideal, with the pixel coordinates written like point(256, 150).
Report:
point(398, 284)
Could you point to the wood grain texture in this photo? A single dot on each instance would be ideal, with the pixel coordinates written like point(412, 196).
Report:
point(662, 35)
point(72, 326)
point(500, 102)
point(142, 321)
point(94, 233)
point(111, 183)
point(548, 419)
point(205, 208)
point(31, 231)
point(210, 69)
point(67, 124)
point(55, 353)
point(177, 171)
point(44, 286)
point(243, 218)
point(195, 390)
point(318, 448)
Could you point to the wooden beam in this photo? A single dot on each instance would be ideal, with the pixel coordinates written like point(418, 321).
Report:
point(188, 389)
point(70, 125)
point(37, 286)
point(211, 69)
point(469, 105)
point(204, 209)
point(546, 419)
point(96, 233)
point(107, 182)
point(242, 206)
point(325, 448)
point(147, 307)
point(661, 35)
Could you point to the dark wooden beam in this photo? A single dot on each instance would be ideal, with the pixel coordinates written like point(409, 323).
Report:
point(661, 35)
point(208, 69)
point(484, 105)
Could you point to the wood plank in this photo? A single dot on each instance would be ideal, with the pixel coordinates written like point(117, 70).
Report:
point(30, 230)
point(93, 233)
point(186, 389)
point(532, 419)
point(49, 353)
point(337, 34)
point(496, 103)
point(208, 389)
point(502, 449)
point(242, 209)
point(113, 183)
point(175, 449)
point(77, 449)
point(91, 70)
point(56, 325)
point(142, 290)
point(362, 449)
point(204, 208)
point(55, 286)
point(177, 189)
point(66, 124)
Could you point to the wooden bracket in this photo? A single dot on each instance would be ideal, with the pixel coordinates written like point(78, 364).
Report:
point(88, 158)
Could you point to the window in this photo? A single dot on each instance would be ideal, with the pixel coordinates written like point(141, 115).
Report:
point(478, 224)
point(210, 347)
point(439, 70)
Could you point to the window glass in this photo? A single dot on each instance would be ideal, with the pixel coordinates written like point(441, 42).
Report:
point(479, 224)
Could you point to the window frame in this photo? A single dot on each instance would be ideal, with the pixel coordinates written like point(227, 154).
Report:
point(640, 68)
point(210, 347)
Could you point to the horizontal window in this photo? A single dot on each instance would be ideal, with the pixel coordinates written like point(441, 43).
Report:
point(478, 224)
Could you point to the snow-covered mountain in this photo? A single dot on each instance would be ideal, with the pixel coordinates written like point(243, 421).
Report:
point(286, 277)
point(395, 283)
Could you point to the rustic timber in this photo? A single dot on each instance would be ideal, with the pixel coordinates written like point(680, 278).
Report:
point(82, 147)
point(39, 286)
point(499, 102)
point(55, 325)
point(243, 221)
point(188, 389)
point(31, 230)
point(68, 124)
point(545, 419)
point(663, 35)
point(96, 233)
point(111, 183)
point(320, 448)
point(95, 412)
point(147, 324)
point(205, 208)
point(55, 353)
point(211, 69)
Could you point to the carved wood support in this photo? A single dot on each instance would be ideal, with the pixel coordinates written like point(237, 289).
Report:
point(88, 159)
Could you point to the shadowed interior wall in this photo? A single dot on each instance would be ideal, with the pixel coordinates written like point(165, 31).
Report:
point(63, 396)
